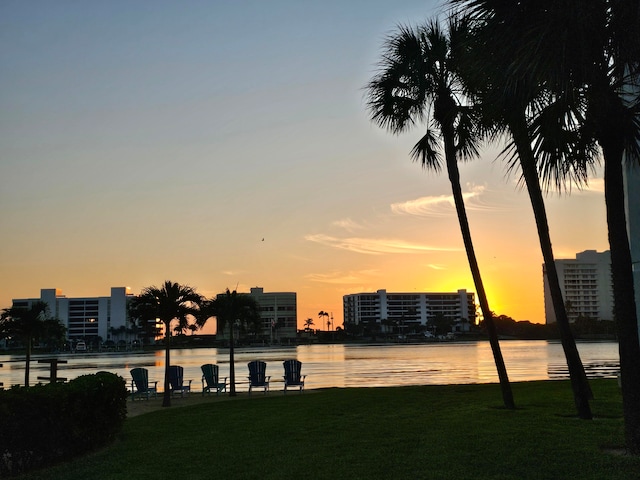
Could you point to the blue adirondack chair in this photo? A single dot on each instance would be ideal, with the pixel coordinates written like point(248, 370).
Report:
point(140, 385)
point(257, 375)
point(292, 376)
point(211, 381)
point(176, 380)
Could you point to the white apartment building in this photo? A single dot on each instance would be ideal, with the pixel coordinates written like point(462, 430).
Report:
point(586, 287)
point(410, 310)
point(85, 317)
point(279, 314)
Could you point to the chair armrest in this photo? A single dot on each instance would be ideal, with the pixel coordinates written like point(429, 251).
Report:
point(267, 378)
point(190, 383)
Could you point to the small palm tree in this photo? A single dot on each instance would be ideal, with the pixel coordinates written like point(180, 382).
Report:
point(28, 324)
point(170, 302)
point(418, 82)
point(308, 323)
point(231, 310)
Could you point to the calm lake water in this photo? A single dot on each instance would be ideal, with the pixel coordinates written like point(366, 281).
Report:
point(345, 365)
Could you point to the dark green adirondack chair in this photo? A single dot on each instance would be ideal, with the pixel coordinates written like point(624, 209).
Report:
point(211, 381)
point(140, 385)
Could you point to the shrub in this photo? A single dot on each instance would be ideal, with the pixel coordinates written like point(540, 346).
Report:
point(44, 424)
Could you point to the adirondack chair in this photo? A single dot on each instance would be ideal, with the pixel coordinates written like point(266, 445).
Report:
point(140, 385)
point(211, 381)
point(292, 376)
point(176, 380)
point(257, 375)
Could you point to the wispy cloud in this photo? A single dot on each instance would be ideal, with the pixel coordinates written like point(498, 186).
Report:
point(342, 278)
point(596, 185)
point(347, 224)
point(436, 266)
point(444, 205)
point(375, 246)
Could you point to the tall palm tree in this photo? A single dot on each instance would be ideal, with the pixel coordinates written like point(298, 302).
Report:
point(322, 314)
point(170, 302)
point(28, 324)
point(520, 112)
point(587, 54)
point(417, 82)
point(232, 309)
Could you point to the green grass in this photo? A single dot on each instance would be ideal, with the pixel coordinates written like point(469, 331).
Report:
point(433, 432)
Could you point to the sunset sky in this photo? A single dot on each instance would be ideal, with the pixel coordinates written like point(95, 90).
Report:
point(230, 146)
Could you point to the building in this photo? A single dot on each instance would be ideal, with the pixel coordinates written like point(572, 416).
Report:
point(632, 210)
point(410, 311)
point(87, 317)
point(279, 314)
point(586, 287)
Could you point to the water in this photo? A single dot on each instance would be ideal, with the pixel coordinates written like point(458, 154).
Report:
point(345, 365)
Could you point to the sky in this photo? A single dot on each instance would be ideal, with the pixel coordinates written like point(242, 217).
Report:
point(228, 145)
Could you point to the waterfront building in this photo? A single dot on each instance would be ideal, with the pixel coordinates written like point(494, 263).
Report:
point(279, 314)
point(410, 311)
point(586, 287)
point(632, 197)
point(86, 317)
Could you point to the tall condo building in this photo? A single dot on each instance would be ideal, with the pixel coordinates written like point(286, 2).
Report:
point(85, 317)
point(278, 311)
point(411, 310)
point(586, 287)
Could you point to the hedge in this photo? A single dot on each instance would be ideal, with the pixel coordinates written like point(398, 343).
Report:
point(45, 424)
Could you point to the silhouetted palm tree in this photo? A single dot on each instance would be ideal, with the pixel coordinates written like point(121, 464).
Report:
point(231, 309)
point(520, 112)
point(587, 54)
point(28, 324)
point(170, 302)
point(418, 82)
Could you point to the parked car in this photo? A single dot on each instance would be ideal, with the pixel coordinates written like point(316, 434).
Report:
point(81, 347)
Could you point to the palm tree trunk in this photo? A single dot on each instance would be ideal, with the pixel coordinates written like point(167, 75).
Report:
point(27, 361)
point(454, 178)
point(232, 363)
point(579, 383)
point(166, 397)
point(623, 294)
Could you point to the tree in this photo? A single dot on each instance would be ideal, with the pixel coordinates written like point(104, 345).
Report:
point(308, 323)
point(233, 310)
point(28, 324)
point(587, 54)
point(521, 111)
point(170, 302)
point(322, 314)
point(418, 81)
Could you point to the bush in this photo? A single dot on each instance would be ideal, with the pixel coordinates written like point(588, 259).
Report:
point(48, 423)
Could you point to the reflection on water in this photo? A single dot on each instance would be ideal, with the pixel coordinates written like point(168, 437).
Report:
point(347, 365)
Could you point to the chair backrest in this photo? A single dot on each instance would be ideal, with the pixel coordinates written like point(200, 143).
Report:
point(257, 372)
point(292, 369)
point(140, 378)
point(175, 377)
point(210, 374)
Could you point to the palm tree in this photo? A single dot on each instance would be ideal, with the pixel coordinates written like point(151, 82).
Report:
point(418, 81)
point(322, 314)
point(28, 324)
point(231, 309)
point(308, 323)
point(519, 111)
point(170, 302)
point(587, 54)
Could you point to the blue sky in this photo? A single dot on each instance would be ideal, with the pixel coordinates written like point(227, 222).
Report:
point(142, 141)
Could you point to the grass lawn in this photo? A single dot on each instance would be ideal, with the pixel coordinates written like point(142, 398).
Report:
point(432, 432)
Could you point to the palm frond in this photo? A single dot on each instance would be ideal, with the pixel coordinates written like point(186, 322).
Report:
point(427, 151)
